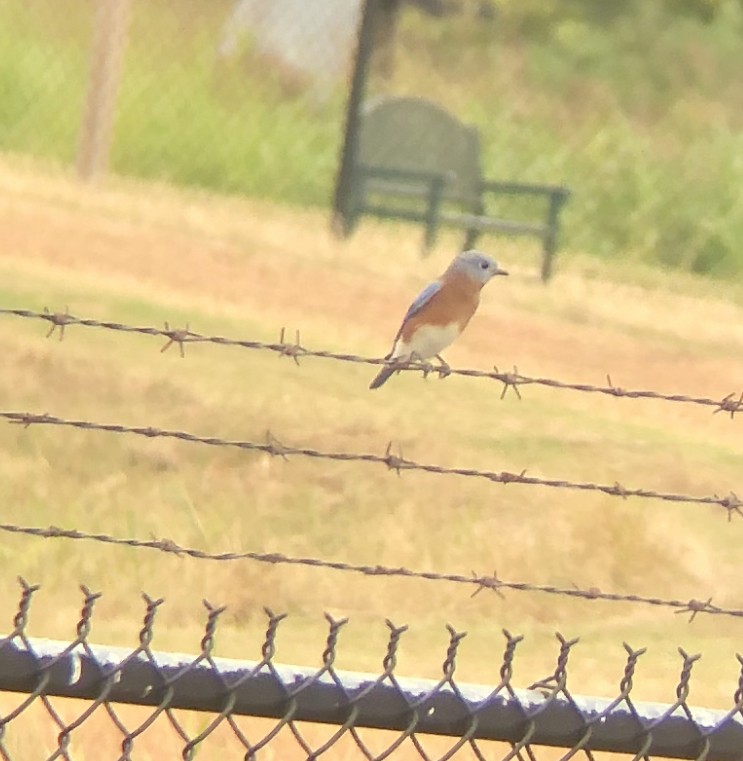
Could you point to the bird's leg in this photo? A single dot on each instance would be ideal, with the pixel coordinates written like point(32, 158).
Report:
point(444, 369)
point(414, 359)
point(424, 366)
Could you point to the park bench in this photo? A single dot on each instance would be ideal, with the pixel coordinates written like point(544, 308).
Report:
point(415, 161)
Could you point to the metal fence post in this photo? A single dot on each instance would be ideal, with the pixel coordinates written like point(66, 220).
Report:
point(362, 60)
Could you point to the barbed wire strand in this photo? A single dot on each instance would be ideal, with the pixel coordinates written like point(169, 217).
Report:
point(275, 448)
point(731, 403)
point(492, 582)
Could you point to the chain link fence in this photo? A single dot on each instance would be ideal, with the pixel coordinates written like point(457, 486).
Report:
point(423, 719)
point(632, 106)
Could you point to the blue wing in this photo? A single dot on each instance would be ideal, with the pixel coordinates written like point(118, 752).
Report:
point(422, 299)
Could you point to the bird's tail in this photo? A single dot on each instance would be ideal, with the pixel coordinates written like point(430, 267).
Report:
point(383, 376)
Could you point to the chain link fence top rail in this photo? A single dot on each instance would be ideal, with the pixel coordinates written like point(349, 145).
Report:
point(496, 721)
point(248, 96)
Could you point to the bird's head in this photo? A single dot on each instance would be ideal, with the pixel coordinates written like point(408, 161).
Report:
point(476, 265)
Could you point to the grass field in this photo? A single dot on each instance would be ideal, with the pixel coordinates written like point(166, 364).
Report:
point(144, 254)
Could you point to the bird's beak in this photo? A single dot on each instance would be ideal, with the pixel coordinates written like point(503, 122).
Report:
point(499, 271)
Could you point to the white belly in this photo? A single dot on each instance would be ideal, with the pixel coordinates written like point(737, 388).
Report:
point(428, 341)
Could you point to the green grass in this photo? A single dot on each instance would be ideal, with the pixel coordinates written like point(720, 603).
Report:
point(42, 81)
point(638, 113)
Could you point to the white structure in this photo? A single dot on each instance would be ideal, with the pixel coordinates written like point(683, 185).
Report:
point(313, 39)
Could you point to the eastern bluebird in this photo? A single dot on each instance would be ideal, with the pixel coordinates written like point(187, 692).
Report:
point(441, 311)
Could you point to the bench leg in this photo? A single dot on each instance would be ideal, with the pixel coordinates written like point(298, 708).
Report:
point(435, 194)
point(429, 236)
point(477, 209)
point(549, 246)
point(342, 225)
point(549, 241)
point(471, 238)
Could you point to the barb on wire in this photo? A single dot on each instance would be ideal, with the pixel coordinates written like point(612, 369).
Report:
point(487, 582)
point(271, 446)
point(294, 350)
point(511, 380)
point(176, 336)
point(58, 320)
point(732, 504)
point(276, 448)
point(395, 462)
point(732, 403)
point(697, 606)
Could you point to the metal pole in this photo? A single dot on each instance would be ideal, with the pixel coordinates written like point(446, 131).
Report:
point(501, 713)
point(364, 50)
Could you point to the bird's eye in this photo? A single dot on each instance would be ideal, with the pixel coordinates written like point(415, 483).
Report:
point(484, 265)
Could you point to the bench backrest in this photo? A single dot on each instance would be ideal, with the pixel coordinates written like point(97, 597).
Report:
point(403, 132)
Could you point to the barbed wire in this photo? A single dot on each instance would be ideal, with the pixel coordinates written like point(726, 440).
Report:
point(272, 446)
point(731, 403)
point(481, 582)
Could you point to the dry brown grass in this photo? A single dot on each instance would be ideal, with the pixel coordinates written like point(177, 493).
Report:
point(144, 254)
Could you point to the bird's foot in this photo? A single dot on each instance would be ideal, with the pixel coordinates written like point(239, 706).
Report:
point(444, 369)
point(419, 363)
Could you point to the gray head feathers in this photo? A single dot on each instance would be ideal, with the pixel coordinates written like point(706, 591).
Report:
point(476, 265)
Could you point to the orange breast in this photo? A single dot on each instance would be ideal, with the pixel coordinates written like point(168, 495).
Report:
point(456, 302)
